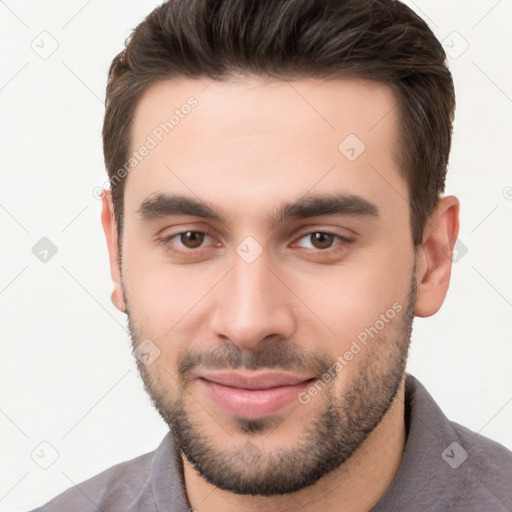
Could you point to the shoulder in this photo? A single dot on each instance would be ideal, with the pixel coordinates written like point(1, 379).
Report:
point(446, 466)
point(490, 462)
point(466, 470)
point(116, 488)
point(476, 474)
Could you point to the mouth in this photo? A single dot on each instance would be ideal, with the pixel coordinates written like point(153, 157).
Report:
point(253, 394)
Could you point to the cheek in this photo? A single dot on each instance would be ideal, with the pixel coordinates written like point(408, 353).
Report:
point(347, 299)
point(163, 297)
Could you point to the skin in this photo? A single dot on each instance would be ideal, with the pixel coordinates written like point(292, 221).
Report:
point(248, 147)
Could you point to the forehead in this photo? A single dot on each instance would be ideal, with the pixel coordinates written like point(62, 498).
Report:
point(251, 143)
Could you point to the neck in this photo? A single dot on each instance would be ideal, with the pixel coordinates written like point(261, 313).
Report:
point(359, 483)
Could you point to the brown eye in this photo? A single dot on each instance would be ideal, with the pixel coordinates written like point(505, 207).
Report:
point(321, 240)
point(192, 239)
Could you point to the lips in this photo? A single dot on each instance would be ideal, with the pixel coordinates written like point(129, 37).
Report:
point(255, 381)
point(252, 395)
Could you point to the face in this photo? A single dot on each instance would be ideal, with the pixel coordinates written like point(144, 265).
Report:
point(268, 272)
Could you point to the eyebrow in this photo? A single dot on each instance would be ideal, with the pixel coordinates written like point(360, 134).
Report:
point(332, 204)
point(165, 205)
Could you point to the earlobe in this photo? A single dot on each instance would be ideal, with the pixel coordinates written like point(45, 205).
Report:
point(116, 298)
point(435, 257)
point(112, 238)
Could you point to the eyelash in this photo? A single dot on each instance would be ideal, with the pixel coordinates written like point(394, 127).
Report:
point(344, 242)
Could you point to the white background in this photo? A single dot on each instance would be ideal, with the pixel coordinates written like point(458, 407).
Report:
point(66, 371)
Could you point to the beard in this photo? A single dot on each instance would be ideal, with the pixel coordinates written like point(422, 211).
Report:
point(345, 420)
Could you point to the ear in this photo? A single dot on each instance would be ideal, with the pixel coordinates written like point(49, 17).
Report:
point(111, 234)
point(435, 257)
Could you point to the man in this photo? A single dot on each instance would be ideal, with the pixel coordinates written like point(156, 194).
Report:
point(276, 219)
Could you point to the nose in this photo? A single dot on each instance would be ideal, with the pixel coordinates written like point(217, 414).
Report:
point(253, 305)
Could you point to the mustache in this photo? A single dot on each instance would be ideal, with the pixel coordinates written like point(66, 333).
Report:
point(283, 356)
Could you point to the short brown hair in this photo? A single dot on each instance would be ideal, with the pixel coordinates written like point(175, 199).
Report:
point(379, 40)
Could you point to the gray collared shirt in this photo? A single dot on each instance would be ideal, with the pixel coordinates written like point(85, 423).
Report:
point(445, 467)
